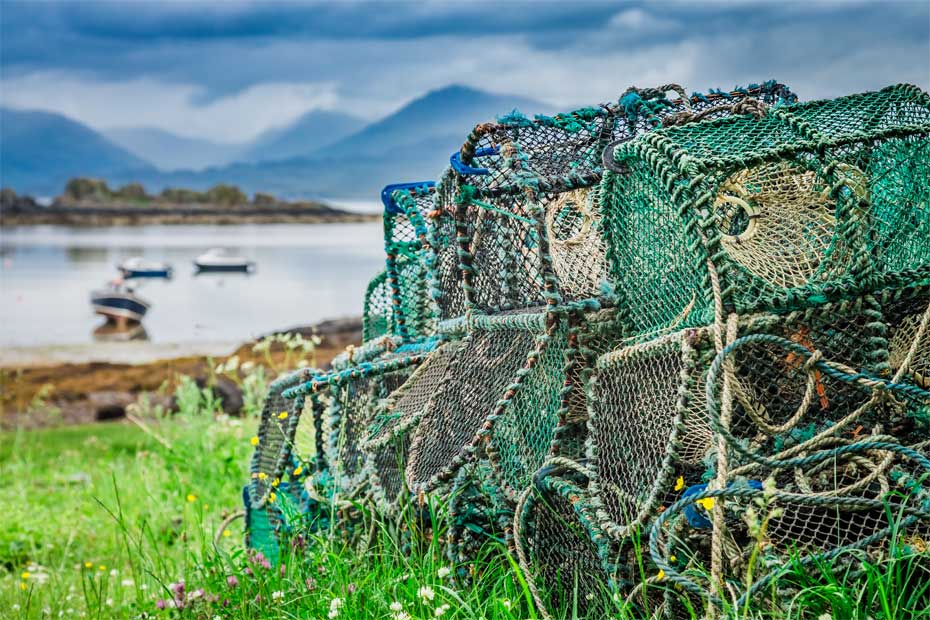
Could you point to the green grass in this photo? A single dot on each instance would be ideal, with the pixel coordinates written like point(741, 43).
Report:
point(103, 521)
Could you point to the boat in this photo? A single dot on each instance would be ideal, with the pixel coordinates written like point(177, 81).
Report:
point(220, 259)
point(138, 267)
point(119, 304)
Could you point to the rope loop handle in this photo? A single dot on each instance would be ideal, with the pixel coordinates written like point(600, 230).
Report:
point(749, 105)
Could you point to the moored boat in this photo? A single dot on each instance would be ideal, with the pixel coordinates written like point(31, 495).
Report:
point(119, 304)
point(220, 259)
point(138, 267)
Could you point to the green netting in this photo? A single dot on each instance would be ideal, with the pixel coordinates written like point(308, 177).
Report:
point(377, 315)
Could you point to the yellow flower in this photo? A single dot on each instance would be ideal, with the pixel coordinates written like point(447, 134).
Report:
point(25, 575)
point(88, 564)
point(22, 585)
point(680, 483)
point(227, 533)
point(191, 497)
point(661, 575)
point(271, 496)
point(102, 567)
point(707, 503)
point(275, 482)
point(299, 470)
point(282, 415)
point(672, 558)
point(262, 475)
point(254, 440)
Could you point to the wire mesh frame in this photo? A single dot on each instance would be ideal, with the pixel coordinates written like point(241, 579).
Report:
point(791, 139)
point(407, 247)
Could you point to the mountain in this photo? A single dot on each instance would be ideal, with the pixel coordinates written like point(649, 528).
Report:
point(442, 117)
point(40, 151)
point(412, 144)
point(170, 151)
point(311, 132)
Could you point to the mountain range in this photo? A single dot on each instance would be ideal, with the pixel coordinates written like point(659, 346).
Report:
point(320, 155)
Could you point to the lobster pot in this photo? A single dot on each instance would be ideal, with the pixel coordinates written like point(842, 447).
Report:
point(562, 551)
point(530, 215)
point(908, 343)
point(483, 369)
point(377, 317)
point(648, 432)
point(526, 418)
point(274, 448)
point(355, 402)
point(804, 203)
point(478, 514)
point(387, 443)
point(407, 248)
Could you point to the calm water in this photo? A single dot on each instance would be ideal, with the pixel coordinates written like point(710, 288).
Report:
point(305, 273)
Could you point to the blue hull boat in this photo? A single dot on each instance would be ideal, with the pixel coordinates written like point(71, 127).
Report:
point(119, 305)
point(137, 267)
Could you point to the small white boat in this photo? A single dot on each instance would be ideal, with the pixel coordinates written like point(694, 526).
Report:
point(220, 259)
point(138, 267)
point(119, 304)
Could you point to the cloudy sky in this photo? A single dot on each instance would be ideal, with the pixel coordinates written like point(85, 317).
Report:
point(229, 70)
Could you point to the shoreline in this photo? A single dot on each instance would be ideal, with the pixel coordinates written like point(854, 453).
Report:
point(86, 218)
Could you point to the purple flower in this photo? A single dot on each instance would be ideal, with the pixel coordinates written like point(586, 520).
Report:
point(311, 583)
point(161, 604)
point(283, 569)
point(231, 581)
point(265, 563)
point(177, 588)
point(248, 571)
point(350, 588)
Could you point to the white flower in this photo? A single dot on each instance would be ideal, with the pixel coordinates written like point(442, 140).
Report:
point(401, 615)
point(443, 572)
point(276, 595)
point(144, 587)
point(440, 610)
point(506, 603)
point(127, 583)
point(426, 593)
point(247, 366)
point(334, 606)
point(396, 606)
point(109, 602)
point(114, 573)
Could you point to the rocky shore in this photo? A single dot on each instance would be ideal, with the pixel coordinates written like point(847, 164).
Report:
point(36, 396)
point(90, 202)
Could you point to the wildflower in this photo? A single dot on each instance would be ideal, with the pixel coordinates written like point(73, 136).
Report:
point(226, 533)
point(88, 564)
point(441, 610)
point(254, 440)
point(672, 558)
point(334, 606)
point(311, 583)
point(276, 482)
point(144, 587)
point(22, 585)
point(506, 603)
point(247, 366)
point(443, 572)
point(351, 588)
point(282, 415)
point(177, 588)
point(262, 475)
point(707, 503)
point(396, 606)
point(109, 602)
point(272, 496)
point(661, 575)
point(232, 581)
point(25, 575)
point(102, 567)
point(401, 615)
point(191, 497)
point(127, 583)
point(196, 594)
point(426, 593)
point(298, 470)
point(680, 483)
point(277, 594)
point(114, 572)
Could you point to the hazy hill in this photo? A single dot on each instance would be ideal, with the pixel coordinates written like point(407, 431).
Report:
point(310, 133)
point(170, 151)
point(40, 151)
point(412, 144)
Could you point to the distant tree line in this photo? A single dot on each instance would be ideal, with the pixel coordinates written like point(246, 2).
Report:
point(82, 189)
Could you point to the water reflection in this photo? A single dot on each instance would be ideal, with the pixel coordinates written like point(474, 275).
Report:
point(114, 332)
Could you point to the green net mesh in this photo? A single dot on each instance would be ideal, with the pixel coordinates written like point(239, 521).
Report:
point(711, 358)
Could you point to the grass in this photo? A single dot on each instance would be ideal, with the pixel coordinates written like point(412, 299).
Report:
point(110, 521)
